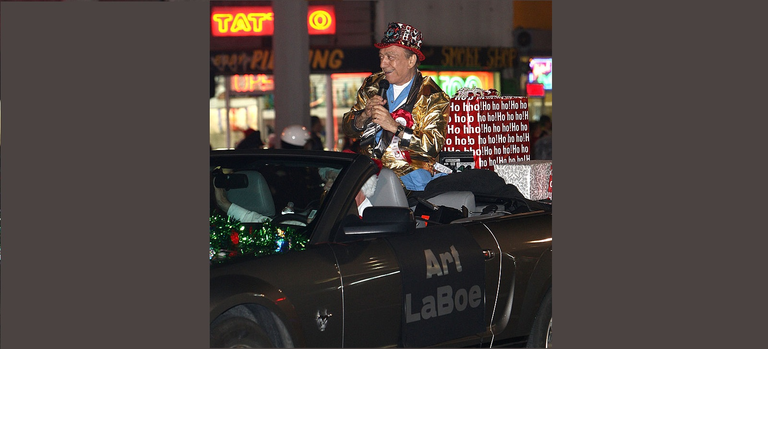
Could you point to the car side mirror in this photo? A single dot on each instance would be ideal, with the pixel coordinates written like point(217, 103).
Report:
point(377, 222)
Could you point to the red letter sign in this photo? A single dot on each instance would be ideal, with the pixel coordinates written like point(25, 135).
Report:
point(260, 21)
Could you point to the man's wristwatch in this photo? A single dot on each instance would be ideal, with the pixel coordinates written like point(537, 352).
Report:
point(400, 129)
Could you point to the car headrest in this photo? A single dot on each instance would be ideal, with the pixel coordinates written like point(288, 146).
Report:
point(389, 191)
point(256, 196)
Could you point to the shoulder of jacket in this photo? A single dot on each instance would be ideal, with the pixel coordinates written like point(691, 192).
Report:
point(431, 84)
point(430, 88)
point(373, 78)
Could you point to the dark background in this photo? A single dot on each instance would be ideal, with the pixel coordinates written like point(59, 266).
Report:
point(104, 123)
point(658, 237)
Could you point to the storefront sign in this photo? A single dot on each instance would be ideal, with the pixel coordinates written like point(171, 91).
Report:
point(470, 57)
point(321, 20)
point(535, 89)
point(366, 59)
point(261, 61)
point(250, 83)
point(260, 20)
point(541, 72)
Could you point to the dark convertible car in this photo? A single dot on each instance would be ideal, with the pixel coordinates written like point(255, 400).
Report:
point(460, 268)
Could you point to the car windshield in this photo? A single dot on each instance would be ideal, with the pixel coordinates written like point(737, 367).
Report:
point(267, 205)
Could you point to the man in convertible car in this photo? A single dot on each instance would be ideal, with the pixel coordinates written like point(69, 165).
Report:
point(400, 116)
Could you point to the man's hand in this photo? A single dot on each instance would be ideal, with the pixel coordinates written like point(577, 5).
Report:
point(375, 101)
point(381, 116)
point(370, 105)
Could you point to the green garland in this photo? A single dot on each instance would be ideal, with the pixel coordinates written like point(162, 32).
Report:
point(230, 238)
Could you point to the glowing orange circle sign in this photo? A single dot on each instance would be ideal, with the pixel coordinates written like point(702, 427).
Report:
point(320, 20)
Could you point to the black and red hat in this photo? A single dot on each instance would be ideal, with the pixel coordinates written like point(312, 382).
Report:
point(403, 35)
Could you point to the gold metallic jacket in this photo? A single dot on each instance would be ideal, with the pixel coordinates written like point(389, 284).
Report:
point(430, 120)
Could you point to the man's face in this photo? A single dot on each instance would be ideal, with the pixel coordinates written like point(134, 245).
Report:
point(398, 64)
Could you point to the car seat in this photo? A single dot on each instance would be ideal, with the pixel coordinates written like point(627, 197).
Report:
point(256, 196)
point(389, 191)
point(455, 199)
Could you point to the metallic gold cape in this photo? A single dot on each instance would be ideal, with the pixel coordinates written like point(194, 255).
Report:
point(430, 121)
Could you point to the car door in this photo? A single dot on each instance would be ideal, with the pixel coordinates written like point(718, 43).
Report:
point(423, 289)
point(370, 277)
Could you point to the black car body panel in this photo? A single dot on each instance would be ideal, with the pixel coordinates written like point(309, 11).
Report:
point(483, 282)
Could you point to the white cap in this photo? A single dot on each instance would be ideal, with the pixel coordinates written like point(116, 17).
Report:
point(296, 135)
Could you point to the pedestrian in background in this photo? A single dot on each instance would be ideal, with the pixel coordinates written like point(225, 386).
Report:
point(272, 140)
point(316, 129)
point(252, 140)
point(546, 124)
point(543, 148)
point(534, 131)
point(541, 138)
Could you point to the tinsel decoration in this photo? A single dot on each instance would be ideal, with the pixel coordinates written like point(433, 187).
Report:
point(231, 238)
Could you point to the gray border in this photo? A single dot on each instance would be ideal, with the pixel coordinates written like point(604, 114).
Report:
point(656, 247)
point(655, 234)
point(104, 119)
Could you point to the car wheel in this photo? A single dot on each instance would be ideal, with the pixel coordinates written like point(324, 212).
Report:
point(239, 332)
point(541, 332)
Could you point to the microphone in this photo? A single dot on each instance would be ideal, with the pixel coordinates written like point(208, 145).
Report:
point(383, 86)
point(378, 151)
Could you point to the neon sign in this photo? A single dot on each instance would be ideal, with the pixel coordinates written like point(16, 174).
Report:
point(260, 20)
point(451, 82)
point(534, 89)
point(252, 83)
point(541, 72)
point(321, 20)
